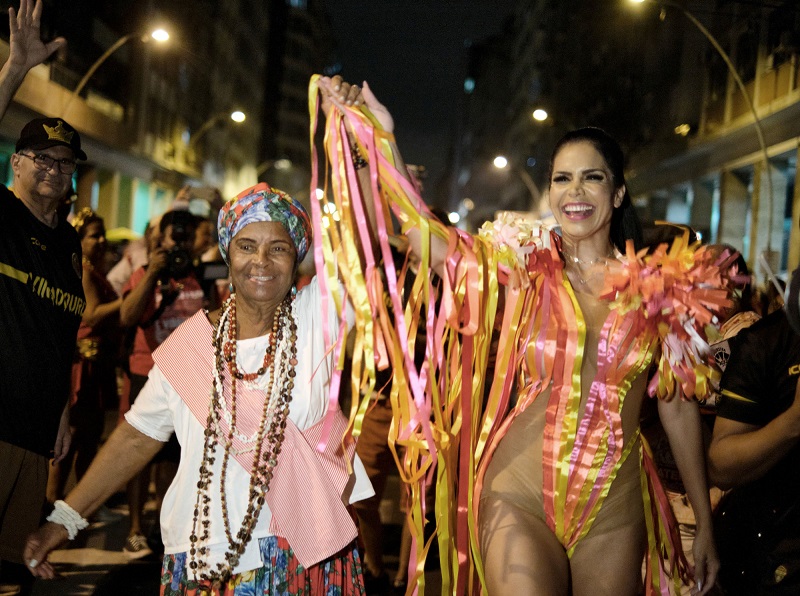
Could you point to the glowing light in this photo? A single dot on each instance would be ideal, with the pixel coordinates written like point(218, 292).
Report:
point(500, 162)
point(540, 115)
point(683, 130)
point(454, 217)
point(329, 208)
point(285, 164)
point(160, 35)
point(238, 116)
point(319, 193)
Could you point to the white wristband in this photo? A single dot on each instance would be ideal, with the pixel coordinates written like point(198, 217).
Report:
point(69, 518)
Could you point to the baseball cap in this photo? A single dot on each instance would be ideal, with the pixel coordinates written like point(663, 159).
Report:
point(42, 133)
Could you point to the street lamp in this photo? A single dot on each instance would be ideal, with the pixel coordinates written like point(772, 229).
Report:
point(236, 116)
point(732, 69)
point(539, 115)
point(501, 163)
point(159, 35)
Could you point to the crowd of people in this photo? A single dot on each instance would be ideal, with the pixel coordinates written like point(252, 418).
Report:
point(507, 372)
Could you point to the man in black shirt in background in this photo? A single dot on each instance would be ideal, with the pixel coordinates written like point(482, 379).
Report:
point(41, 302)
point(755, 451)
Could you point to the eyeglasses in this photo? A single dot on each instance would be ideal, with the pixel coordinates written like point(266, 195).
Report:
point(45, 162)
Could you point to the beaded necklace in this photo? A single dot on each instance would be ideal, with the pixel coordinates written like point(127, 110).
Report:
point(229, 350)
point(282, 357)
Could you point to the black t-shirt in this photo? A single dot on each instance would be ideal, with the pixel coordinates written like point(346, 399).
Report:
point(758, 384)
point(41, 304)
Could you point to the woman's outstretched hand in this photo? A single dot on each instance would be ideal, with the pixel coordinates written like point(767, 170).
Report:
point(337, 90)
point(706, 562)
point(39, 545)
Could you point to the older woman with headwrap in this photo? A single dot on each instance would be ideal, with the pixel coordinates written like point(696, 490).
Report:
point(255, 506)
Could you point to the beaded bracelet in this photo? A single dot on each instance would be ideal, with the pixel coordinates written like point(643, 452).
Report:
point(358, 159)
point(69, 518)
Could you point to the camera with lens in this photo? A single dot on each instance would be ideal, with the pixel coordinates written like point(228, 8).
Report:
point(179, 263)
point(179, 259)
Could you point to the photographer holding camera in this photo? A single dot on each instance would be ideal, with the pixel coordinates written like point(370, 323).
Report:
point(156, 299)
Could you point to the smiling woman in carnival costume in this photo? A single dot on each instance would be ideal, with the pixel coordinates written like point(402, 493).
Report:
point(557, 494)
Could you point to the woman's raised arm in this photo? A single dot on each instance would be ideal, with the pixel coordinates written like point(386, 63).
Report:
point(336, 90)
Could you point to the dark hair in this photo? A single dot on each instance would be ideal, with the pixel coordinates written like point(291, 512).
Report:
point(746, 299)
point(178, 217)
point(625, 224)
point(657, 233)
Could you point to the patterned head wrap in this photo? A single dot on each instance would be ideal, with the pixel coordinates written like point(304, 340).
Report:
point(263, 203)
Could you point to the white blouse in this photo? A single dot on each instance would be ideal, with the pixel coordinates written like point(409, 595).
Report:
point(158, 411)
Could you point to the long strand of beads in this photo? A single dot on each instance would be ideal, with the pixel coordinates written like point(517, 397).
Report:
point(268, 441)
point(202, 501)
point(275, 331)
point(261, 474)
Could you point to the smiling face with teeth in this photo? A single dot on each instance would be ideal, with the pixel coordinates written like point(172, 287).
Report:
point(263, 260)
point(583, 196)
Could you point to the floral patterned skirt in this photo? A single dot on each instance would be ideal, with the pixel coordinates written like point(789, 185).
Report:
point(282, 575)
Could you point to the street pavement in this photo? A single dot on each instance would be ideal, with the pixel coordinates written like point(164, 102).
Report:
point(94, 564)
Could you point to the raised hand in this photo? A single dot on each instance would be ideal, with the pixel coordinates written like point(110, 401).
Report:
point(335, 90)
point(184, 195)
point(378, 109)
point(26, 47)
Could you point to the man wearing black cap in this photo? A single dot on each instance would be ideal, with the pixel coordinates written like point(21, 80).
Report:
point(41, 301)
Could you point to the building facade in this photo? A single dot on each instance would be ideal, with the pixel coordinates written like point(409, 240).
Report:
point(650, 76)
point(734, 176)
point(155, 117)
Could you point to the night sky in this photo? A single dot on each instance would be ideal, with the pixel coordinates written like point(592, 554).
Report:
point(413, 55)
